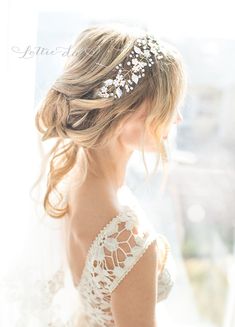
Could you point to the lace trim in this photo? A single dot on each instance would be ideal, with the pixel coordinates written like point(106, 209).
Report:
point(149, 241)
point(122, 211)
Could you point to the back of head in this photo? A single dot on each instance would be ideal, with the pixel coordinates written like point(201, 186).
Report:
point(81, 111)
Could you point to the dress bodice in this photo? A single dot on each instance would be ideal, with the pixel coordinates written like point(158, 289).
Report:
point(113, 253)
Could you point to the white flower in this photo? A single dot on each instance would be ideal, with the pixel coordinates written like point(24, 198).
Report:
point(124, 218)
point(129, 225)
point(111, 244)
point(144, 41)
point(108, 82)
point(142, 55)
point(138, 65)
point(147, 53)
point(136, 69)
point(119, 78)
point(104, 89)
point(153, 47)
point(112, 228)
point(135, 62)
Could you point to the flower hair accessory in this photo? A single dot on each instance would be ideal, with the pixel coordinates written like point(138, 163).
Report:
point(145, 52)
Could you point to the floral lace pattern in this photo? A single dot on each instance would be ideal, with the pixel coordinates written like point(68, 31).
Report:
point(113, 253)
point(42, 300)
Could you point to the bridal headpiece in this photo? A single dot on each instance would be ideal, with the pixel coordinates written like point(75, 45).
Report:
point(145, 52)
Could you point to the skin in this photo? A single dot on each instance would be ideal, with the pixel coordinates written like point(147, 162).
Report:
point(110, 162)
point(105, 175)
point(95, 202)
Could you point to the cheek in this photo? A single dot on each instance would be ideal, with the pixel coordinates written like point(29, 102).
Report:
point(132, 135)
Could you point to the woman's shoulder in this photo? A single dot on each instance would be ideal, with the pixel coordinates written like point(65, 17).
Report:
point(91, 208)
point(94, 212)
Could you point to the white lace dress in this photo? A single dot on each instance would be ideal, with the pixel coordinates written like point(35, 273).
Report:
point(30, 296)
point(109, 260)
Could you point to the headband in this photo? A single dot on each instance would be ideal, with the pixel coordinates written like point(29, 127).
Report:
point(145, 52)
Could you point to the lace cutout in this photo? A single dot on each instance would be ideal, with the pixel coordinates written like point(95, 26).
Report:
point(112, 254)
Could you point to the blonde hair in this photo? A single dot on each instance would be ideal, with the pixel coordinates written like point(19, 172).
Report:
point(78, 120)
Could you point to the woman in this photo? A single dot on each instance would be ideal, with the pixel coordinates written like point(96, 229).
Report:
point(120, 91)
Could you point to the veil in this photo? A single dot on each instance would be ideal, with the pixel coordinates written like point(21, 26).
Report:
point(38, 290)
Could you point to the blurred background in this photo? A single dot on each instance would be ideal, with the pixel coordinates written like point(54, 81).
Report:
point(195, 208)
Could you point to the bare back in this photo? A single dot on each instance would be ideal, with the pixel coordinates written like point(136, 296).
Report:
point(91, 208)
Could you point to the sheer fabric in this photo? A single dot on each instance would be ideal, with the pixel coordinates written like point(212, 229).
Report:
point(39, 290)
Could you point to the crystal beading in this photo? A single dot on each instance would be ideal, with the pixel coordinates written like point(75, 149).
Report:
point(145, 52)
